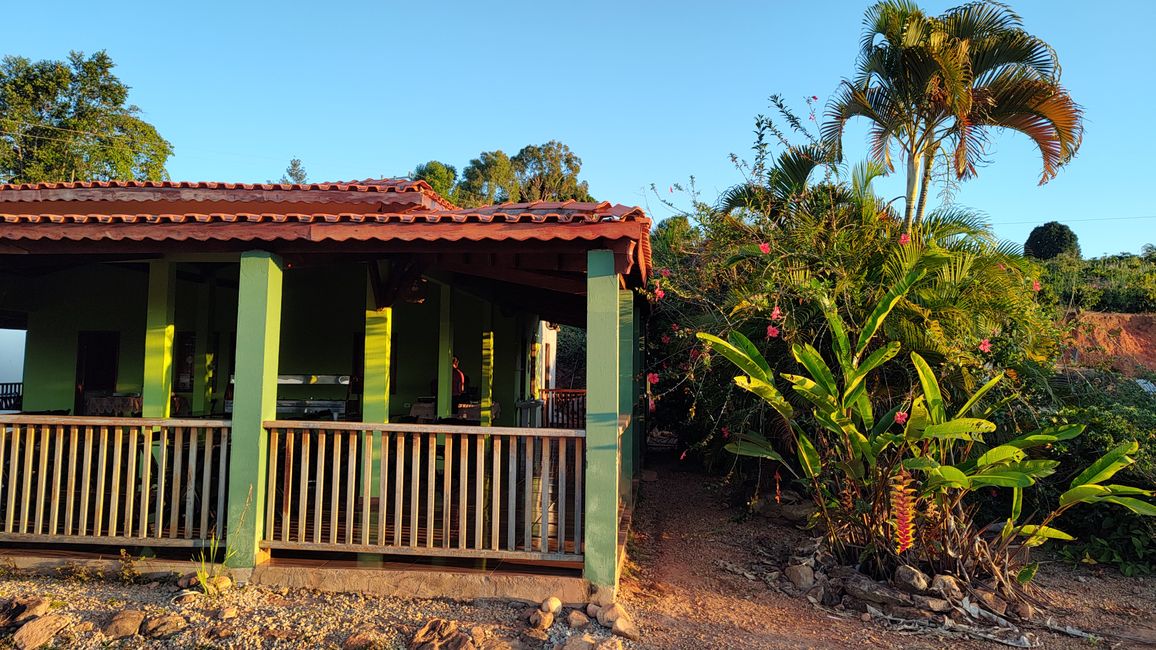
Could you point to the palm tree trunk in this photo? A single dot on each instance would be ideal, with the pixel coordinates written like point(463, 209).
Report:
point(913, 160)
point(928, 161)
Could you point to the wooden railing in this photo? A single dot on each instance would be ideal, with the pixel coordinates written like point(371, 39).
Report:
point(565, 408)
point(11, 395)
point(405, 489)
point(133, 481)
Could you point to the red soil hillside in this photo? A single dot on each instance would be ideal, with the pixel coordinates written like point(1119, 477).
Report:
point(1125, 343)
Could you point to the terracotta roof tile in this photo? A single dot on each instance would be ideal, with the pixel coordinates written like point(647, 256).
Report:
point(367, 185)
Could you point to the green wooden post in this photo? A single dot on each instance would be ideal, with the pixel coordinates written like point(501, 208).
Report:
point(157, 391)
point(254, 401)
point(602, 403)
point(486, 389)
point(378, 342)
point(445, 352)
point(626, 391)
point(202, 356)
point(641, 410)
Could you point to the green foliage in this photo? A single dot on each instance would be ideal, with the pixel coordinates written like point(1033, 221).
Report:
point(295, 173)
point(1051, 239)
point(549, 172)
point(489, 178)
point(69, 121)
point(440, 176)
point(1113, 283)
point(570, 363)
point(546, 172)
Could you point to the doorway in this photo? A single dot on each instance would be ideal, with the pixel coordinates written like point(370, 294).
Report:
point(97, 356)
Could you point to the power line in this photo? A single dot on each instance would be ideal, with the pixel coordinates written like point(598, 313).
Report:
point(1021, 223)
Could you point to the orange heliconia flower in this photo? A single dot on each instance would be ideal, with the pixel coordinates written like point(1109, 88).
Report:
point(903, 508)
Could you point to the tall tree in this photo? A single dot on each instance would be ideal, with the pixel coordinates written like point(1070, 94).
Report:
point(489, 178)
point(549, 172)
point(295, 173)
point(940, 84)
point(69, 121)
point(1051, 239)
point(440, 176)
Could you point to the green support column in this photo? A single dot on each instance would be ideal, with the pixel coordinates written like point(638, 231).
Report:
point(641, 410)
point(157, 392)
point(626, 391)
point(254, 401)
point(602, 404)
point(445, 352)
point(378, 342)
point(202, 356)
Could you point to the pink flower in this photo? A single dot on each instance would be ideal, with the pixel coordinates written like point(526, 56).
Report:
point(674, 326)
point(659, 294)
point(772, 331)
point(695, 353)
point(672, 189)
point(1001, 266)
point(985, 346)
point(652, 378)
point(665, 273)
point(776, 313)
point(1036, 285)
point(764, 248)
point(650, 403)
point(726, 432)
point(904, 239)
point(901, 417)
point(665, 339)
point(683, 456)
point(815, 97)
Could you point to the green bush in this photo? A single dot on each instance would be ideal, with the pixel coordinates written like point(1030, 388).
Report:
point(1051, 239)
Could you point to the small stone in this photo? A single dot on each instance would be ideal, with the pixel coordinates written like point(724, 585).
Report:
point(227, 613)
point(531, 635)
point(580, 642)
point(816, 594)
point(220, 632)
point(552, 605)
point(577, 620)
point(801, 575)
point(33, 607)
point(541, 620)
point(933, 604)
point(865, 617)
point(164, 626)
point(83, 628)
point(1082, 578)
point(992, 602)
point(38, 632)
point(910, 579)
point(188, 581)
point(947, 586)
point(613, 643)
point(364, 640)
point(603, 596)
point(440, 634)
point(592, 610)
point(607, 615)
point(1023, 610)
point(186, 597)
point(124, 623)
point(624, 627)
point(220, 584)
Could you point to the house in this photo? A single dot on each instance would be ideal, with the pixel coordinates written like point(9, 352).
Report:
point(340, 369)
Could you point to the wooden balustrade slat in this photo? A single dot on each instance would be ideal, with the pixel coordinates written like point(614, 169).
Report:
point(101, 469)
point(544, 531)
point(303, 490)
point(383, 489)
point(463, 483)
point(350, 483)
point(319, 488)
point(528, 496)
point(511, 493)
point(222, 476)
point(496, 494)
point(191, 481)
point(562, 445)
point(579, 473)
point(273, 456)
point(479, 496)
point(57, 475)
point(175, 498)
point(85, 482)
point(447, 489)
point(287, 487)
point(130, 482)
point(162, 476)
point(431, 482)
point(398, 488)
point(11, 478)
point(145, 481)
point(206, 476)
point(335, 488)
point(41, 477)
point(114, 496)
point(414, 495)
point(366, 483)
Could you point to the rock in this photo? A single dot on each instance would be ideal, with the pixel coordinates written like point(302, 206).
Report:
point(865, 617)
point(580, 642)
point(541, 620)
point(991, 602)
point(607, 615)
point(613, 643)
point(364, 640)
point(866, 589)
point(219, 584)
point(38, 632)
point(186, 597)
point(1023, 610)
point(164, 626)
point(221, 632)
point(188, 581)
point(552, 605)
point(800, 575)
point(576, 620)
point(910, 613)
point(30, 608)
point(592, 610)
point(938, 605)
point(440, 634)
point(82, 628)
point(603, 596)
point(910, 579)
point(124, 623)
point(947, 586)
point(227, 613)
point(625, 628)
point(534, 636)
point(797, 513)
point(816, 594)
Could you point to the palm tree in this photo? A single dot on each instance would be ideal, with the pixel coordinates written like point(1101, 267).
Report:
point(935, 85)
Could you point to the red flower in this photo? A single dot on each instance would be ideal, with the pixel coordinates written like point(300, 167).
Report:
point(683, 456)
point(903, 507)
point(665, 339)
point(985, 346)
point(674, 326)
point(695, 353)
point(726, 432)
point(765, 248)
point(1001, 266)
point(652, 378)
point(776, 313)
point(665, 273)
point(659, 294)
point(901, 417)
point(815, 97)
point(1036, 285)
point(772, 331)
point(904, 239)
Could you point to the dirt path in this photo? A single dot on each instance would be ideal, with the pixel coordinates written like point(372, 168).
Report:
point(684, 600)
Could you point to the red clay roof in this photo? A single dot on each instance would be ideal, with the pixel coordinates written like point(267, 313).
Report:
point(367, 185)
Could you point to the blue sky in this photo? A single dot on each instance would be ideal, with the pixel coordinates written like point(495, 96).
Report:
point(646, 92)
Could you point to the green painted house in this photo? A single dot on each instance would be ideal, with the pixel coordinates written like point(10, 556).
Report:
point(308, 371)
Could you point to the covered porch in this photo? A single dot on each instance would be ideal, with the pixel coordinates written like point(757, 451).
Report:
point(355, 370)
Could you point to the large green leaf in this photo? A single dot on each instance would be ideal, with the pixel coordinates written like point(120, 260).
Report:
point(959, 429)
point(741, 342)
point(1108, 464)
point(1000, 454)
point(1046, 436)
point(931, 392)
point(1135, 505)
point(1039, 534)
point(1027, 573)
point(754, 445)
point(821, 373)
point(769, 393)
point(812, 391)
point(861, 407)
point(1083, 494)
point(951, 476)
point(857, 380)
point(1036, 467)
point(890, 299)
point(1001, 478)
point(808, 456)
point(840, 344)
point(978, 395)
point(736, 356)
